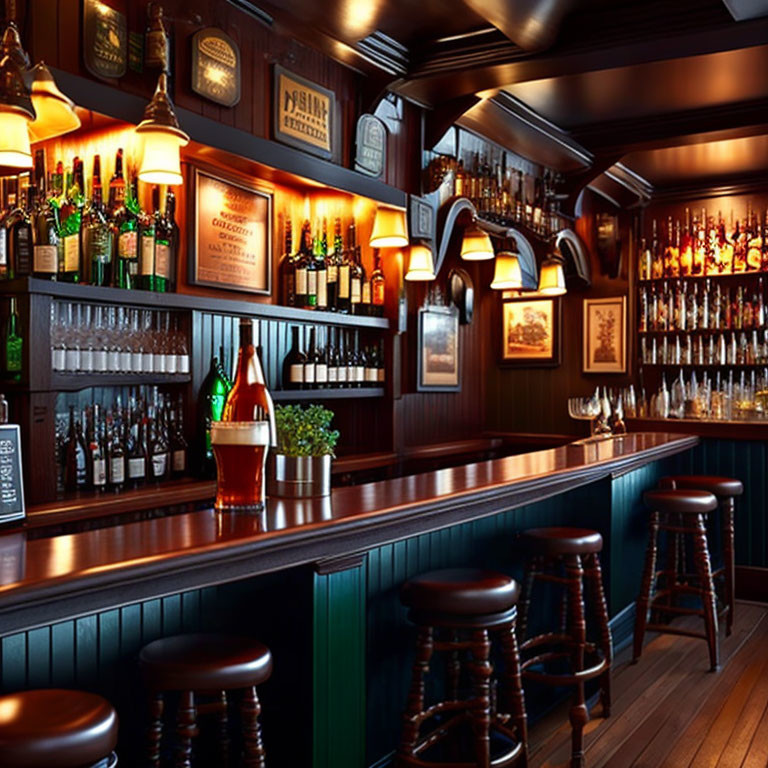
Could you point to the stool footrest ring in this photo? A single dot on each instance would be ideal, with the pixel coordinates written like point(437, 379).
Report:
point(566, 678)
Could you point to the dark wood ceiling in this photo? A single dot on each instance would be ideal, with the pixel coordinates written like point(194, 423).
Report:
point(676, 89)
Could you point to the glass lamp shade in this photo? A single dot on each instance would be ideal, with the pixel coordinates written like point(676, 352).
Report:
point(160, 161)
point(55, 112)
point(389, 228)
point(507, 275)
point(15, 151)
point(421, 265)
point(552, 278)
point(476, 245)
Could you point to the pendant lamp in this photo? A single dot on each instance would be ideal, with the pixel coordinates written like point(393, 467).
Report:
point(507, 275)
point(16, 113)
point(476, 245)
point(162, 137)
point(421, 264)
point(389, 228)
point(55, 113)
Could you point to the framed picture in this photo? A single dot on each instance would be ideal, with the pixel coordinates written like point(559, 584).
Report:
point(438, 350)
point(530, 333)
point(231, 235)
point(605, 335)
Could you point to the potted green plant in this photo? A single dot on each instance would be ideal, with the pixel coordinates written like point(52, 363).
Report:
point(301, 464)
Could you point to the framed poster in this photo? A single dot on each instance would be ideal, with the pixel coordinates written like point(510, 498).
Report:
point(303, 113)
point(530, 333)
point(438, 350)
point(232, 235)
point(605, 335)
point(105, 40)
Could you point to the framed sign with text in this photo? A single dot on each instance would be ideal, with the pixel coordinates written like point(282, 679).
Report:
point(303, 113)
point(105, 39)
point(232, 235)
point(11, 478)
point(216, 66)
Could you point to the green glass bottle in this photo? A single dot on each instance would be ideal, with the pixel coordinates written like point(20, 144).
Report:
point(127, 226)
point(147, 231)
point(210, 407)
point(70, 218)
point(13, 343)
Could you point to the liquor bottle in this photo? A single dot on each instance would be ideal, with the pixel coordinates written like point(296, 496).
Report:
point(358, 363)
point(321, 257)
point(159, 450)
point(356, 274)
point(75, 470)
point(115, 454)
point(19, 228)
point(303, 257)
point(293, 365)
point(309, 362)
point(643, 312)
point(97, 234)
point(287, 268)
point(156, 53)
point(249, 399)
point(13, 343)
point(147, 232)
point(179, 445)
point(377, 286)
point(321, 365)
point(210, 407)
point(97, 451)
point(70, 217)
point(332, 356)
point(370, 373)
point(4, 211)
point(343, 291)
point(45, 238)
point(310, 264)
point(332, 267)
point(342, 362)
point(126, 222)
point(164, 245)
point(381, 375)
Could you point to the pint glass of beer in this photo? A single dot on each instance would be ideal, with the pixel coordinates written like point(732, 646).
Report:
point(240, 448)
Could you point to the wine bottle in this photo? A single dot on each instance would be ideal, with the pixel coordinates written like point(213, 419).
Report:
point(356, 273)
point(371, 367)
point(309, 362)
point(116, 454)
point(343, 288)
point(293, 364)
point(178, 441)
point(210, 407)
point(377, 286)
point(287, 268)
point(137, 456)
point(321, 365)
point(342, 363)
point(19, 227)
point(127, 225)
point(97, 234)
point(303, 257)
point(147, 221)
point(159, 452)
point(13, 345)
point(98, 458)
point(70, 213)
point(321, 255)
point(74, 456)
point(332, 357)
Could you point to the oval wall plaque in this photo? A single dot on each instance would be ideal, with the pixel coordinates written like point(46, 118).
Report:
point(216, 66)
point(371, 146)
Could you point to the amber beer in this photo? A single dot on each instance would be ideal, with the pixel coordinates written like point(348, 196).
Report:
point(240, 448)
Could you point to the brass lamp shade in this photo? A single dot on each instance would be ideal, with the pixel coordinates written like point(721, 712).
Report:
point(162, 138)
point(55, 112)
point(476, 245)
point(507, 275)
point(389, 228)
point(421, 265)
point(16, 113)
point(552, 278)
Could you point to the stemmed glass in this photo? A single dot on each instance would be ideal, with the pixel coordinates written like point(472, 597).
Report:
point(586, 409)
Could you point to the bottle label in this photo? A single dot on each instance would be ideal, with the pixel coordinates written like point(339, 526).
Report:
point(23, 251)
point(4, 247)
point(147, 259)
point(297, 373)
point(359, 373)
point(100, 244)
point(321, 373)
point(378, 293)
point(158, 363)
point(344, 281)
point(71, 253)
point(126, 245)
point(301, 281)
point(136, 468)
point(366, 293)
point(72, 360)
point(117, 469)
point(114, 361)
point(163, 260)
point(355, 290)
point(370, 375)
point(179, 460)
point(136, 358)
point(309, 373)
point(58, 359)
point(146, 362)
point(171, 363)
point(311, 282)
point(332, 273)
point(182, 363)
point(322, 289)
point(159, 464)
point(333, 374)
point(86, 360)
point(125, 361)
point(44, 258)
point(99, 472)
point(380, 375)
point(341, 374)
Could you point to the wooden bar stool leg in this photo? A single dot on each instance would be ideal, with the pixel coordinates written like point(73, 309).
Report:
point(185, 729)
point(578, 630)
point(524, 603)
point(453, 668)
point(155, 729)
point(671, 569)
point(513, 688)
point(729, 567)
point(222, 719)
point(254, 748)
point(415, 705)
point(709, 605)
point(481, 714)
point(646, 587)
point(595, 576)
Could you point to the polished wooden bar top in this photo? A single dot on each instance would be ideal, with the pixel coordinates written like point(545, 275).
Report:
point(741, 429)
point(48, 578)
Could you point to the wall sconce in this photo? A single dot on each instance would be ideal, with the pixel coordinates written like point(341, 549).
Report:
point(421, 263)
point(55, 112)
point(163, 138)
point(476, 245)
point(552, 277)
point(390, 229)
point(16, 113)
point(507, 275)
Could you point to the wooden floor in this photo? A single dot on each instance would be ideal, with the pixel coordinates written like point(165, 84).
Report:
point(670, 712)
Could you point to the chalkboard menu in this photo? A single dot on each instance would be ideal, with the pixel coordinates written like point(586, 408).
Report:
point(11, 480)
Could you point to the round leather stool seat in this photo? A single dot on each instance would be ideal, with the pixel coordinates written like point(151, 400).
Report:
point(460, 591)
point(722, 487)
point(204, 662)
point(561, 541)
point(677, 502)
point(54, 728)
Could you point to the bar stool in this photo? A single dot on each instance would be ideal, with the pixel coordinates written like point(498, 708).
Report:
point(726, 489)
point(550, 551)
point(199, 664)
point(455, 610)
point(679, 513)
point(54, 728)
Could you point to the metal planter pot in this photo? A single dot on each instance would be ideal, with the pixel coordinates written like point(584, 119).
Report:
point(299, 477)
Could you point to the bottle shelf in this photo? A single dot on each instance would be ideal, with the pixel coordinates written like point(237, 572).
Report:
point(704, 365)
point(73, 382)
point(702, 278)
point(183, 301)
point(336, 393)
point(703, 331)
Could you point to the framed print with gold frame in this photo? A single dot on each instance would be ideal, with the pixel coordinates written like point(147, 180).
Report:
point(604, 335)
point(438, 350)
point(530, 333)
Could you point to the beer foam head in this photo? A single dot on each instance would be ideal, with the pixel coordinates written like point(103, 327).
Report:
point(240, 432)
